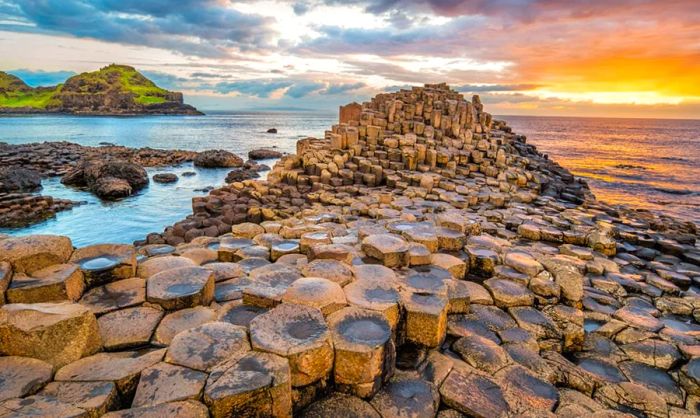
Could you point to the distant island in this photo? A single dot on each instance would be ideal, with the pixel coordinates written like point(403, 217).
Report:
point(112, 90)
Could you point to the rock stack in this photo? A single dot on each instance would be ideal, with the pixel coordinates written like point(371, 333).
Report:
point(402, 266)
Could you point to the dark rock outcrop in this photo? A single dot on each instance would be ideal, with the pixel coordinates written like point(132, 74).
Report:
point(19, 179)
point(217, 159)
point(264, 154)
point(108, 179)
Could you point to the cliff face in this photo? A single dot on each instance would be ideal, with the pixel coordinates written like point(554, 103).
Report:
point(112, 90)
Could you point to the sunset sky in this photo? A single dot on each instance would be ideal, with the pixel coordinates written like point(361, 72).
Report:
point(634, 58)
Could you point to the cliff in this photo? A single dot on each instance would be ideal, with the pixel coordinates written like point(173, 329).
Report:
point(112, 90)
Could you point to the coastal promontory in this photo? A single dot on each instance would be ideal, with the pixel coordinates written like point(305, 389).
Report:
point(112, 90)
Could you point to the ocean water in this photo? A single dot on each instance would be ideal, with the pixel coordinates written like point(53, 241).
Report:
point(653, 164)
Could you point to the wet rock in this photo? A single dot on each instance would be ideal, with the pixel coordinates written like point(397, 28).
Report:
point(19, 179)
point(604, 370)
point(122, 368)
point(340, 405)
point(207, 345)
point(272, 131)
point(473, 394)
point(55, 283)
point(217, 159)
point(237, 313)
point(22, 376)
point(570, 323)
point(126, 328)
point(689, 377)
point(407, 397)
point(567, 276)
point(189, 408)
point(165, 178)
point(117, 295)
point(256, 384)
point(654, 379)
point(180, 288)
point(165, 382)
point(34, 252)
point(316, 292)
point(654, 353)
point(390, 249)
point(364, 350)
point(525, 392)
point(281, 248)
point(57, 333)
point(107, 178)
point(264, 153)
point(298, 333)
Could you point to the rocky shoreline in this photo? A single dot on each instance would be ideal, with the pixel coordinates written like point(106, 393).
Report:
point(420, 260)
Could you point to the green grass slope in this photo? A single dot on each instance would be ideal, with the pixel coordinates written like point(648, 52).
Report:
point(14, 93)
point(117, 78)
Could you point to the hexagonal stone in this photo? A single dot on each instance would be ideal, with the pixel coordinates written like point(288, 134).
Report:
point(423, 236)
point(200, 255)
point(39, 406)
point(34, 252)
point(229, 246)
point(654, 379)
point(478, 294)
point(507, 293)
point(604, 370)
point(427, 279)
point(238, 313)
point(426, 318)
point(247, 230)
point(181, 288)
point(374, 272)
point(178, 321)
point(450, 240)
point(298, 333)
point(122, 368)
point(638, 318)
point(116, 295)
point(376, 296)
point(94, 397)
point(570, 323)
point(390, 249)
point(257, 384)
point(481, 353)
point(189, 409)
point(525, 392)
point(459, 296)
point(130, 327)
point(281, 248)
point(340, 252)
point(523, 262)
point(567, 276)
point(316, 292)
point(225, 271)
point(267, 289)
point(454, 265)
point(340, 405)
point(632, 398)
point(473, 393)
point(535, 322)
point(482, 261)
point(689, 376)
point(51, 284)
point(5, 277)
point(364, 350)
point(57, 333)
point(156, 265)
point(407, 397)
point(654, 353)
point(418, 254)
point(22, 376)
point(206, 346)
point(105, 263)
point(311, 239)
point(164, 382)
point(332, 270)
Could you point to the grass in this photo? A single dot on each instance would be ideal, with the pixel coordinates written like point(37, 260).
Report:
point(40, 99)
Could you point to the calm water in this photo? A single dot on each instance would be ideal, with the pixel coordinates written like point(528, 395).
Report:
point(645, 163)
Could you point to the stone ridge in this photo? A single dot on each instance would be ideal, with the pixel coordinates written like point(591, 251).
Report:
point(419, 260)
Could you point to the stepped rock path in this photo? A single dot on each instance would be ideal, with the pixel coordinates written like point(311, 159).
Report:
point(419, 261)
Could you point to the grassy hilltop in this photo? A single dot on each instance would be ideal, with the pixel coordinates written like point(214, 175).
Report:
point(115, 89)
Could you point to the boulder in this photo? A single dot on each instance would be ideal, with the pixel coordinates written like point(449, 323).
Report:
point(264, 154)
point(165, 178)
point(58, 333)
point(19, 179)
point(217, 159)
point(107, 178)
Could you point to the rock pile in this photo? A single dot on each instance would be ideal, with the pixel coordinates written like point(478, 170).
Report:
point(399, 267)
point(22, 209)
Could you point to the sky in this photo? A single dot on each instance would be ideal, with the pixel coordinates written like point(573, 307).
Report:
point(614, 58)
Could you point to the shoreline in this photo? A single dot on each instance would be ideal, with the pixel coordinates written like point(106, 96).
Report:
point(421, 256)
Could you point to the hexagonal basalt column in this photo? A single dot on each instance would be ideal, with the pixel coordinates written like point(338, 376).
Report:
point(255, 385)
point(376, 296)
point(51, 284)
point(181, 288)
point(267, 289)
point(156, 265)
point(281, 248)
point(105, 263)
point(364, 350)
point(390, 249)
point(208, 345)
point(229, 246)
point(332, 270)
point(300, 334)
point(450, 240)
point(426, 318)
point(316, 292)
point(34, 252)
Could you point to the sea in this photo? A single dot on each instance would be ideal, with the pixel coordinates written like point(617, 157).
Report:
point(644, 163)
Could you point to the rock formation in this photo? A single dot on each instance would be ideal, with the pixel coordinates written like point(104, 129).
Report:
point(420, 260)
point(112, 90)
